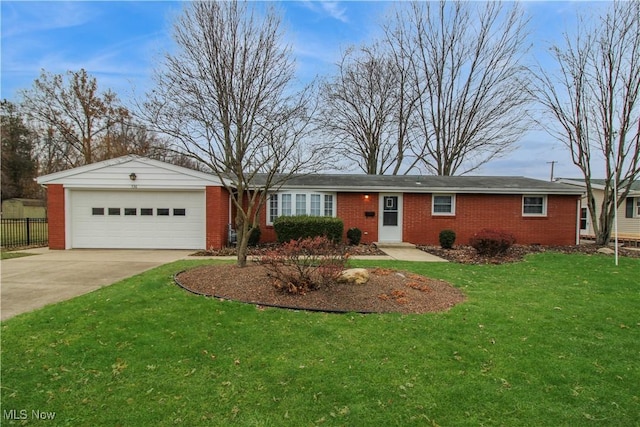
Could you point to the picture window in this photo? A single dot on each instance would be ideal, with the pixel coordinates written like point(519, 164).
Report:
point(312, 204)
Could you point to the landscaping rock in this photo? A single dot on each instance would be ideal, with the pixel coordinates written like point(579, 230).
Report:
point(606, 251)
point(354, 276)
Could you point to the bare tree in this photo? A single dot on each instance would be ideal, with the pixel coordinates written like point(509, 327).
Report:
point(467, 68)
point(593, 101)
point(73, 115)
point(363, 107)
point(227, 97)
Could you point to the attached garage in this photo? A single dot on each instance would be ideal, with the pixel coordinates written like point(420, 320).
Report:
point(137, 219)
point(135, 203)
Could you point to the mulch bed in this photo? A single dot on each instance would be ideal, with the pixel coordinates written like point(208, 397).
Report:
point(387, 291)
point(266, 247)
point(516, 253)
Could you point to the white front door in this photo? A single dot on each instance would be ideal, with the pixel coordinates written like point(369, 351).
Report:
point(390, 218)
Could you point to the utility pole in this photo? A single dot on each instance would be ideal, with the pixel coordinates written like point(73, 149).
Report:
point(552, 164)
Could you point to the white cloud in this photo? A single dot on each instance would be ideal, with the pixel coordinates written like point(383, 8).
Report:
point(334, 10)
point(330, 8)
point(20, 19)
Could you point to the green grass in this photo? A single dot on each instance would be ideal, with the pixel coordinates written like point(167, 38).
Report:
point(11, 255)
point(552, 341)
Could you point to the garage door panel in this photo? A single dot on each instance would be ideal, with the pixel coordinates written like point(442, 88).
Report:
point(138, 231)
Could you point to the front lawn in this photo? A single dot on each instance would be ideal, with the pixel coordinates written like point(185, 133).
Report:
point(553, 340)
point(11, 255)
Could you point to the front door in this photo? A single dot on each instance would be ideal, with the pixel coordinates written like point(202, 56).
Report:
point(390, 222)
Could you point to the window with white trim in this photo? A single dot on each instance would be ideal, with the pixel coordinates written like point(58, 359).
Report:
point(273, 208)
point(286, 204)
point(290, 203)
point(328, 205)
point(632, 207)
point(534, 205)
point(443, 204)
point(315, 205)
point(301, 204)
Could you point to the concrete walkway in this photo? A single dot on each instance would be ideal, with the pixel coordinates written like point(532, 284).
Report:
point(406, 252)
point(52, 276)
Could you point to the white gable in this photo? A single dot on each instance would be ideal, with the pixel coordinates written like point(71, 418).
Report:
point(117, 174)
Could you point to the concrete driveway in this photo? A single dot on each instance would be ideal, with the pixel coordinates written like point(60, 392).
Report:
point(52, 276)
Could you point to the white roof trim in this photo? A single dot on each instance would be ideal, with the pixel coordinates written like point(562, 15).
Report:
point(59, 177)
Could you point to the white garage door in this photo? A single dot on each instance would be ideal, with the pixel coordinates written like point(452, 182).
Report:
point(137, 219)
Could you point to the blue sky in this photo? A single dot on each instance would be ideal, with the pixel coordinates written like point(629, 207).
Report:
point(120, 43)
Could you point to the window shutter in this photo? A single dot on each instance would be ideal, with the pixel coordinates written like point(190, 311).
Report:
point(629, 208)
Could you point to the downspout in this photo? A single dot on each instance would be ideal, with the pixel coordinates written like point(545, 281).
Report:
point(579, 203)
point(230, 219)
point(67, 218)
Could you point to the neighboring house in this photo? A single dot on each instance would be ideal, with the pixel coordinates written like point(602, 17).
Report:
point(134, 202)
point(24, 208)
point(628, 212)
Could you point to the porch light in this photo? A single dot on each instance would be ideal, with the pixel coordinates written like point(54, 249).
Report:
point(132, 176)
point(366, 196)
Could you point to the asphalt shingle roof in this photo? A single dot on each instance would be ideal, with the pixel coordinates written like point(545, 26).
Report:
point(428, 184)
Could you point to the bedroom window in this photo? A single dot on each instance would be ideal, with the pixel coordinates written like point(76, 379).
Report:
point(534, 205)
point(443, 204)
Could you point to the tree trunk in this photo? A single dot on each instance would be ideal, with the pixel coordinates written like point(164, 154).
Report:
point(242, 244)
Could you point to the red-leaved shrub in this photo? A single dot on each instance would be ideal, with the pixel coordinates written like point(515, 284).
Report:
point(304, 265)
point(492, 243)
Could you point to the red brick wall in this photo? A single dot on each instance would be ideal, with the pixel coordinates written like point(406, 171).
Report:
point(55, 213)
point(477, 211)
point(217, 206)
point(351, 207)
point(473, 213)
